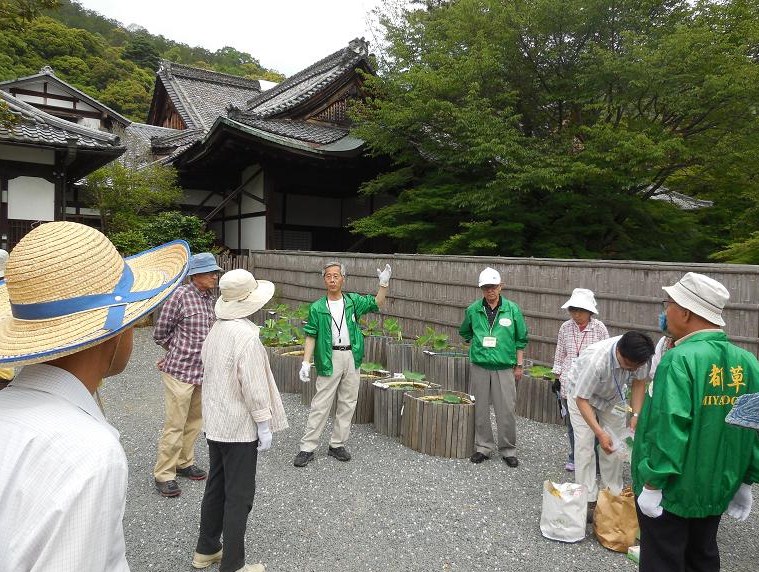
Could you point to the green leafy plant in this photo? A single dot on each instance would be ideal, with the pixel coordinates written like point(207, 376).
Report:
point(540, 371)
point(301, 312)
point(413, 375)
point(371, 367)
point(449, 398)
point(370, 327)
point(280, 332)
point(432, 339)
point(392, 328)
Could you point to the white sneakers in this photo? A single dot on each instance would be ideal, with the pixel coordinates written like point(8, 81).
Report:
point(253, 568)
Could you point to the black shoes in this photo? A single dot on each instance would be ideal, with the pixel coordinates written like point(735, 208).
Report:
point(303, 458)
point(511, 461)
point(168, 488)
point(193, 472)
point(478, 457)
point(339, 453)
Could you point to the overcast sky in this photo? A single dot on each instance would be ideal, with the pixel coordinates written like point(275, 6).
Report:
point(284, 35)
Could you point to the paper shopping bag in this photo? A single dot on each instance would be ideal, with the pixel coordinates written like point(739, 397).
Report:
point(565, 510)
point(615, 522)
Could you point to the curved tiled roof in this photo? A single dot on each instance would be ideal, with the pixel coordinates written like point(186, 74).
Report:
point(138, 138)
point(39, 128)
point(301, 86)
point(200, 96)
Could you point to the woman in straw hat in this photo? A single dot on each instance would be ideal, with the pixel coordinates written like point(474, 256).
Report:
point(68, 305)
point(241, 409)
point(576, 334)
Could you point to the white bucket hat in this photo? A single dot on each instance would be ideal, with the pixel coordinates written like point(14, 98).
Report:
point(489, 276)
point(582, 298)
point(701, 295)
point(67, 288)
point(241, 295)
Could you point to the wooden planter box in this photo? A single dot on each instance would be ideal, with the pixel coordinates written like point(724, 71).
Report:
point(375, 349)
point(449, 369)
point(536, 401)
point(388, 402)
point(364, 412)
point(399, 357)
point(437, 428)
point(286, 368)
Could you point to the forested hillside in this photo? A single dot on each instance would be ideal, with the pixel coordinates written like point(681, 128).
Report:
point(105, 60)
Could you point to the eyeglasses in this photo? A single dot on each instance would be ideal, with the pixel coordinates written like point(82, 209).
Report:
point(666, 303)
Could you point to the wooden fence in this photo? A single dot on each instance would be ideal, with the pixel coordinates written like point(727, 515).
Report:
point(428, 290)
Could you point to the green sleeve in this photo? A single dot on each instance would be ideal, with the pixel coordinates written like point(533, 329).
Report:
point(364, 304)
point(520, 329)
point(311, 326)
point(466, 327)
point(668, 430)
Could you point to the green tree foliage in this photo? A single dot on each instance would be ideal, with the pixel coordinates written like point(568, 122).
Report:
point(124, 195)
point(161, 228)
point(98, 55)
point(543, 127)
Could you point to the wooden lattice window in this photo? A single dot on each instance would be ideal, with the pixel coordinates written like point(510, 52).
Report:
point(335, 113)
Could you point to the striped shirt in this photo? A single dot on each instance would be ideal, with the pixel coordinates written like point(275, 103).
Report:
point(598, 377)
point(63, 477)
point(571, 342)
point(185, 320)
point(238, 386)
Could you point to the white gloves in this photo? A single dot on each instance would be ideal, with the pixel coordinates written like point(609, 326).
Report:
point(740, 506)
point(305, 372)
point(384, 276)
point(264, 436)
point(649, 502)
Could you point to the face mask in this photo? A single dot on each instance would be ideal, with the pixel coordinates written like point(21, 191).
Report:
point(663, 322)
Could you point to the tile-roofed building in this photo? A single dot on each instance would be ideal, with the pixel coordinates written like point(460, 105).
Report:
point(186, 97)
point(51, 94)
point(41, 157)
point(269, 169)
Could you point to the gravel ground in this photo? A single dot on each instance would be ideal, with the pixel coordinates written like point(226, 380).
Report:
point(389, 509)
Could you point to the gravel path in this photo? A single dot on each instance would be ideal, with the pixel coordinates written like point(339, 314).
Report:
point(389, 509)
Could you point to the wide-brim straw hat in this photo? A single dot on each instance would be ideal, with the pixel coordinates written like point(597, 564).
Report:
point(241, 295)
point(66, 289)
point(582, 298)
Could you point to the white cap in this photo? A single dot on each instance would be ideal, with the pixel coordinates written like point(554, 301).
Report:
point(582, 298)
point(701, 295)
point(489, 276)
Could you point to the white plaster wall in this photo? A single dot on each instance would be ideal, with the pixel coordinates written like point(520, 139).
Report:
point(253, 233)
point(196, 196)
point(31, 198)
point(27, 155)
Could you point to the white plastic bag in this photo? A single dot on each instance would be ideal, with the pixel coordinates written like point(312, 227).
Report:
point(565, 511)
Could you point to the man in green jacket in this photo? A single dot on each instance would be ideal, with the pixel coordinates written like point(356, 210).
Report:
point(498, 335)
point(688, 465)
point(334, 339)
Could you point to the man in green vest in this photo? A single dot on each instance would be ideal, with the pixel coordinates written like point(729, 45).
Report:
point(334, 339)
point(688, 465)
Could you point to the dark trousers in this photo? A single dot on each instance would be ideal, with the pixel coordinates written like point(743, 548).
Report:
point(672, 543)
point(227, 501)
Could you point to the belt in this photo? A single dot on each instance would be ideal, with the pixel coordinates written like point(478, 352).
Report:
point(341, 348)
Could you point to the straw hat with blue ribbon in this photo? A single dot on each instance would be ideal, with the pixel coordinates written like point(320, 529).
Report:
point(66, 288)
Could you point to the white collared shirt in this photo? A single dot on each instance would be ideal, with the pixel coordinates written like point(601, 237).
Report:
point(63, 477)
point(598, 377)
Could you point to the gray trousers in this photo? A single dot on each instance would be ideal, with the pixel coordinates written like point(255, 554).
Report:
point(496, 388)
point(343, 383)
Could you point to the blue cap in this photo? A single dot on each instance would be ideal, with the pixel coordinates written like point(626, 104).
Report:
point(203, 262)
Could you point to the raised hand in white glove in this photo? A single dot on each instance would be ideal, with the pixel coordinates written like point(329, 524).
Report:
point(649, 502)
point(384, 276)
point(305, 372)
point(740, 506)
point(264, 436)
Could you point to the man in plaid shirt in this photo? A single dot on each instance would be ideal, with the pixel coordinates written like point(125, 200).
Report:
point(184, 323)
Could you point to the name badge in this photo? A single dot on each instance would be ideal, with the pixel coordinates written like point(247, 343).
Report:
point(620, 409)
point(488, 342)
point(505, 322)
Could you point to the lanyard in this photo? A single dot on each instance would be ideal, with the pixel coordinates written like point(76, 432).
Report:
point(578, 347)
point(340, 325)
point(614, 373)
